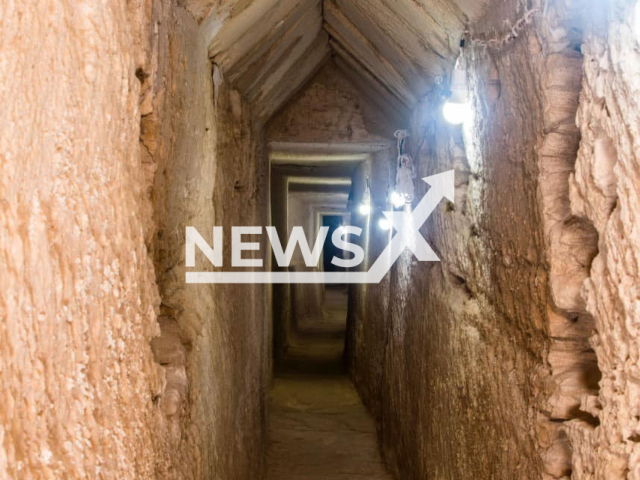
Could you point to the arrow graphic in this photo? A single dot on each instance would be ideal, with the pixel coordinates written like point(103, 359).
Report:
point(407, 225)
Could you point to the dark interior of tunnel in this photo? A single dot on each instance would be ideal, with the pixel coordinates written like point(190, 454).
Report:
point(330, 250)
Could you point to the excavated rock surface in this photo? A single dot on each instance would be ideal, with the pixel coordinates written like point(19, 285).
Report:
point(319, 428)
point(492, 346)
point(604, 190)
point(329, 109)
point(214, 343)
point(111, 143)
point(78, 300)
point(269, 49)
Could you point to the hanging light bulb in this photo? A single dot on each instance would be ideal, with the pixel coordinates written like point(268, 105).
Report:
point(405, 173)
point(398, 200)
point(365, 207)
point(456, 113)
point(384, 224)
point(457, 108)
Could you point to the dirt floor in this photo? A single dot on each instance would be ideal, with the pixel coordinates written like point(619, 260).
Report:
point(319, 428)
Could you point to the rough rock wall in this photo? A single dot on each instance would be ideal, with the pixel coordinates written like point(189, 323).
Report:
point(78, 299)
point(328, 109)
point(240, 351)
point(280, 294)
point(604, 190)
point(210, 172)
point(445, 354)
point(110, 147)
point(490, 346)
point(369, 304)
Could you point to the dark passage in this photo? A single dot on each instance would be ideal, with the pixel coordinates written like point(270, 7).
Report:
point(330, 250)
point(319, 428)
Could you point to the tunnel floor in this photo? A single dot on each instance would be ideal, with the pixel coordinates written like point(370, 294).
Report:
point(319, 428)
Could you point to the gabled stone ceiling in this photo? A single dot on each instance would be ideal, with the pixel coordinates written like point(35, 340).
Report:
point(392, 48)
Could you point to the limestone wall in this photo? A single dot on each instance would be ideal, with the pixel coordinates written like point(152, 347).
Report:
point(210, 171)
point(500, 361)
point(329, 109)
point(78, 299)
point(516, 356)
point(117, 133)
point(604, 191)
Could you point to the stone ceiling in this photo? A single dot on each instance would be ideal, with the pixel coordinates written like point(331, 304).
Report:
point(394, 48)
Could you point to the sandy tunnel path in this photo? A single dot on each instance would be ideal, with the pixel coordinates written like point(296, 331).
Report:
point(319, 428)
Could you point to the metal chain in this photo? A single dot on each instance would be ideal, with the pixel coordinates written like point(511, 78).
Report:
point(501, 41)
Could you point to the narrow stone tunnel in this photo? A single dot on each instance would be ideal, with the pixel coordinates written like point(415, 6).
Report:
point(464, 175)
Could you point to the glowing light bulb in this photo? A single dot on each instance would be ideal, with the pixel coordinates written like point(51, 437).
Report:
point(457, 109)
point(398, 199)
point(364, 209)
point(456, 113)
point(384, 224)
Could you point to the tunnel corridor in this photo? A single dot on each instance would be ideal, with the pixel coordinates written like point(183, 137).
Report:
point(319, 428)
point(320, 239)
